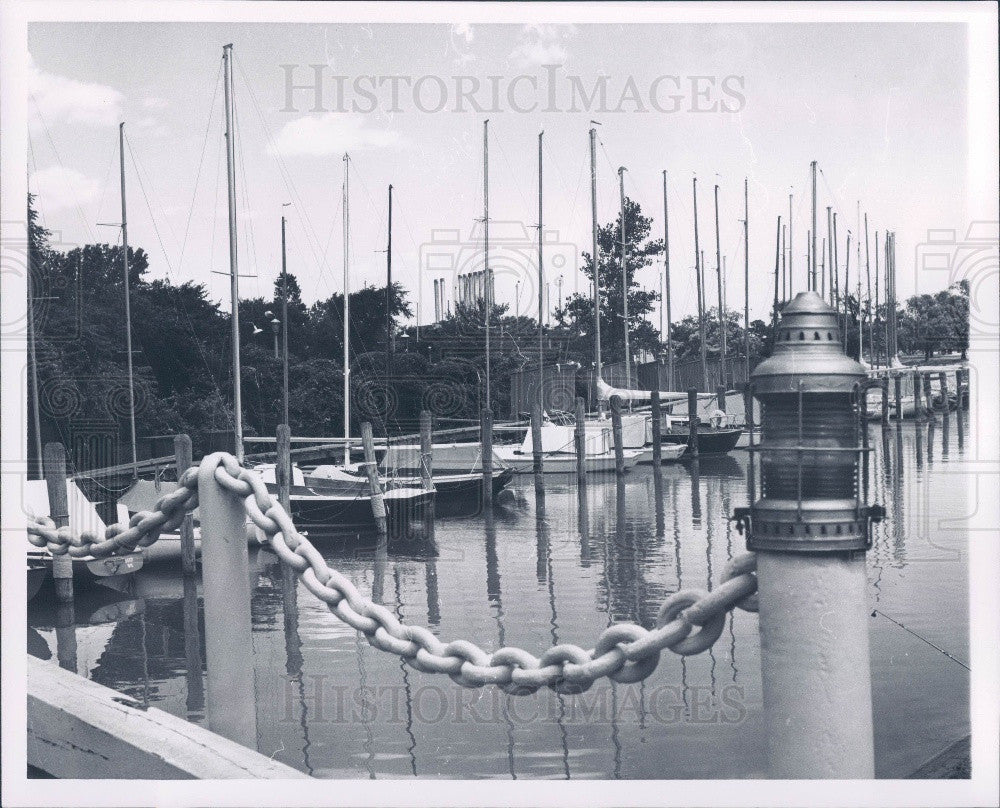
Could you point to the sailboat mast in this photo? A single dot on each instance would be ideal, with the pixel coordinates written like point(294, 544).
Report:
point(347, 309)
point(628, 352)
point(488, 277)
point(234, 289)
point(701, 301)
point(666, 283)
point(787, 294)
point(722, 296)
point(779, 257)
point(284, 327)
point(128, 302)
point(541, 285)
point(812, 236)
point(594, 256)
point(746, 276)
point(390, 338)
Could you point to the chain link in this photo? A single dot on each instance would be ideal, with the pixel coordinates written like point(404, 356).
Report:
point(688, 622)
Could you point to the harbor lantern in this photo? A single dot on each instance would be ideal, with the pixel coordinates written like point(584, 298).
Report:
point(813, 451)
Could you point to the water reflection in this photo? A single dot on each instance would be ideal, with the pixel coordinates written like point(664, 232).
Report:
point(549, 569)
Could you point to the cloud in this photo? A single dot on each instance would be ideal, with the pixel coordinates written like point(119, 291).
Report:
point(58, 188)
point(58, 99)
point(155, 103)
point(331, 133)
point(542, 45)
point(463, 30)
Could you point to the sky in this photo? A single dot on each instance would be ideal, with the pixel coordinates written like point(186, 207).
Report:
point(881, 107)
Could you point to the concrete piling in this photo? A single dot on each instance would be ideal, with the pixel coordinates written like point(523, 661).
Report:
point(226, 588)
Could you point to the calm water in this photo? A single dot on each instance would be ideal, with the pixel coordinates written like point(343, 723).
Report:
point(541, 572)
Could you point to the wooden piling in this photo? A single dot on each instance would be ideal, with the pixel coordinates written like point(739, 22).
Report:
point(885, 402)
point(536, 437)
point(580, 438)
point(426, 452)
point(720, 396)
point(486, 443)
point(693, 421)
point(918, 409)
point(183, 456)
point(928, 395)
point(371, 470)
point(54, 463)
point(943, 384)
point(283, 466)
point(616, 434)
point(898, 395)
point(657, 416)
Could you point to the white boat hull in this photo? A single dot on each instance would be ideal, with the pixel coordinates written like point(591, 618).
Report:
point(564, 462)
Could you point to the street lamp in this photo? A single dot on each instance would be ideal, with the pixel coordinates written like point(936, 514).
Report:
point(275, 327)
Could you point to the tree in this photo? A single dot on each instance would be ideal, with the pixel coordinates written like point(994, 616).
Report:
point(938, 322)
point(576, 317)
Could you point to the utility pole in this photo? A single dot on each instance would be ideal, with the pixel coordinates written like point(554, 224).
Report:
point(746, 276)
point(628, 353)
point(666, 283)
point(541, 284)
point(594, 257)
point(128, 303)
point(722, 302)
point(234, 289)
point(701, 301)
point(785, 257)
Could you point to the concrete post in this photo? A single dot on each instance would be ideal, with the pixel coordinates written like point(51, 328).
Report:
point(226, 587)
point(54, 462)
point(580, 438)
point(657, 416)
point(184, 458)
point(815, 663)
point(371, 470)
point(616, 434)
point(693, 422)
point(486, 441)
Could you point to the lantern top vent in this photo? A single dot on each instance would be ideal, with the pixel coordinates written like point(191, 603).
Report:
point(807, 349)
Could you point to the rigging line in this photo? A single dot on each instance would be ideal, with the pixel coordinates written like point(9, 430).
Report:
point(201, 160)
point(249, 242)
point(308, 227)
point(183, 311)
point(55, 151)
point(924, 639)
point(510, 168)
point(104, 182)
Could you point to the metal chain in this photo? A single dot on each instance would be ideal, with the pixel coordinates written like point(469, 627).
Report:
point(688, 622)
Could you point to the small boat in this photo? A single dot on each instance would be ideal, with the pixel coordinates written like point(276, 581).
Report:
point(711, 441)
point(559, 452)
point(456, 470)
point(112, 571)
point(38, 571)
point(334, 499)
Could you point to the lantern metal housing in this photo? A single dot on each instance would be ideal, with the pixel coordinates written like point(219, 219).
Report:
point(813, 448)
